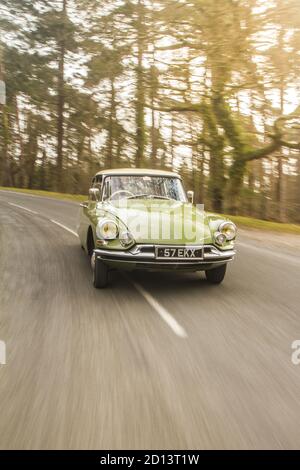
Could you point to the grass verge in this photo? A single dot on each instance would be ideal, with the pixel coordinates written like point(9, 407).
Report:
point(38, 192)
point(251, 223)
point(243, 222)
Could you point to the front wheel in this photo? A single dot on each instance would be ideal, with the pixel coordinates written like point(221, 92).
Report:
point(100, 273)
point(216, 275)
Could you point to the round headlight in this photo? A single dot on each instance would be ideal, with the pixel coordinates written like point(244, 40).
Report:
point(228, 229)
point(220, 238)
point(126, 239)
point(107, 230)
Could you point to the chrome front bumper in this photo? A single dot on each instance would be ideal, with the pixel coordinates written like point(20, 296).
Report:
point(143, 257)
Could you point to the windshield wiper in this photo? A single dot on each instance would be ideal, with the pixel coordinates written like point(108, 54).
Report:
point(149, 196)
point(154, 196)
point(136, 196)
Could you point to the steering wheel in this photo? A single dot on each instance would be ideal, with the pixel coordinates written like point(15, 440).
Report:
point(120, 191)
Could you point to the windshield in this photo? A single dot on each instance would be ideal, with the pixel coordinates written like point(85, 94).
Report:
point(143, 187)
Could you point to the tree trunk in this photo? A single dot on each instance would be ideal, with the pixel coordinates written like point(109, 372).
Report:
point(216, 181)
point(201, 188)
point(43, 180)
point(262, 192)
point(279, 190)
point(5, 169)
point(154, 130)
point(111, 127)
point(31, 151)
point(22, 174)
point(61, 101)
point(140, 98)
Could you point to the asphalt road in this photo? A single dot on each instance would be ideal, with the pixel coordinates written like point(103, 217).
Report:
point(155, 360)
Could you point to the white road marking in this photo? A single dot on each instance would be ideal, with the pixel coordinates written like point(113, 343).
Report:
point(64, 227)
point(51, 220)
point(22, 207)
point(162, 312)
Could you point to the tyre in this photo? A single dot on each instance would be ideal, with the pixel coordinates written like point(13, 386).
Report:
point(216, 275)
point(100, 273)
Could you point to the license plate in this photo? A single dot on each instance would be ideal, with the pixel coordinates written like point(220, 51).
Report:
point(184, 252)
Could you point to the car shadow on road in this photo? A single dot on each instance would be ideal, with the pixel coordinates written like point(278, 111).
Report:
point(169, 281)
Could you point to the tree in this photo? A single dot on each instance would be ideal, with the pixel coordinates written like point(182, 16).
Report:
point(198, 86)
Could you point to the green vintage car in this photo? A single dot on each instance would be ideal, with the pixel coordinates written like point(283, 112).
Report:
point(144, 219)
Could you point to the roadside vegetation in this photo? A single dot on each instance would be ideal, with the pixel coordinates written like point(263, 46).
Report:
point(51, 194)
point(240, 221)
point(252, 223)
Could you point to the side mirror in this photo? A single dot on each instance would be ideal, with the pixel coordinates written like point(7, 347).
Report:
point(94, 194)
point(190, 196)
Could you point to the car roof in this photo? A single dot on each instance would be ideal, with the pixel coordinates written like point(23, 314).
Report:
point(137, 171)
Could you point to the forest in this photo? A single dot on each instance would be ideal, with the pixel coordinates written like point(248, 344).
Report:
point(208, 88)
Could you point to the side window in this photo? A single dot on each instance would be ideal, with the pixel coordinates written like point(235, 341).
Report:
point(98, 182)
point(106, 189)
